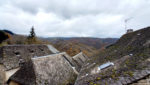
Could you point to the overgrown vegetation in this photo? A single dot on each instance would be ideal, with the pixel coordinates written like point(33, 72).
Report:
point(3, 36)
point(136, 45)
point(9, 39)
point(32, 39)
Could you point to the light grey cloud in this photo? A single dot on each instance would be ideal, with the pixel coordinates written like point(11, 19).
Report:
point(68, 18)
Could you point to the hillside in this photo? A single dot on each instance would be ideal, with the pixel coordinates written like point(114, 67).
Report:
point(87, 45)
point(129, 54)
point(94, 42)
point(3, 35)
point(73, 48)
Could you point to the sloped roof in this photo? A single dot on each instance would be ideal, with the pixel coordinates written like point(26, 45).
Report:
point(80, 58)
point(52, 49)
point(25, 76)
point(46, 70)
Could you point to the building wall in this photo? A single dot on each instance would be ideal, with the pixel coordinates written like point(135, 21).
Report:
point(5, 75)
point(9, 73)
point(12, 54)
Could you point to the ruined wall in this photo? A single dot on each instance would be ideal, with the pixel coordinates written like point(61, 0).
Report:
point(11, 55)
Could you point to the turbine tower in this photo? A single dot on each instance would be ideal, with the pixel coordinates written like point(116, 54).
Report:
point(126, 22)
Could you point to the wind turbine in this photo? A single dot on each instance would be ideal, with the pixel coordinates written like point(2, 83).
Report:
point(126, 21)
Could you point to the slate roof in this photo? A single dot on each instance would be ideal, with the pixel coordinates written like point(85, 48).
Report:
point(52, 49)
point(46, 70)
point(79, 59)
point(25, 76)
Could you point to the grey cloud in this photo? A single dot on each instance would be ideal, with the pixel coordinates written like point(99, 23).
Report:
point(67, 8)
point(70, 8)
point(95, 18)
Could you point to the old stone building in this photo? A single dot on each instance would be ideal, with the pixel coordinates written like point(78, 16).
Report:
point(129, 30)
point(12, 56)
point(45, 70)
point(38, 65)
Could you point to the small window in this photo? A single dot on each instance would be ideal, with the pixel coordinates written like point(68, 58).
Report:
point(31, 51)
point(41, 49)
point(17, 53)
point(21, 62)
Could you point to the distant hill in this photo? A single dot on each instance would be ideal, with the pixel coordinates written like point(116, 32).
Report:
point(131, 54)
point(73, 48)
point(87, 45)
point(8, 31)
point(94, 42)
point(3, 36)
point(72, 45)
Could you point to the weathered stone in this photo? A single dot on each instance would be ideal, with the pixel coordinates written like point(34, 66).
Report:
point(11, 54)
point(46, 70)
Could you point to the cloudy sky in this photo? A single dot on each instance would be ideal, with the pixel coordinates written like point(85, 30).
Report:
point(74, 18)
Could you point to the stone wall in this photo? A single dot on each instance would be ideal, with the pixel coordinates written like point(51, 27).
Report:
point(10, 56)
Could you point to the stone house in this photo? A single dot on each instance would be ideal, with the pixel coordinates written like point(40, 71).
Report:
point(129, 30)
point(45, 70)
point(12, 56)
point(38, 65)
